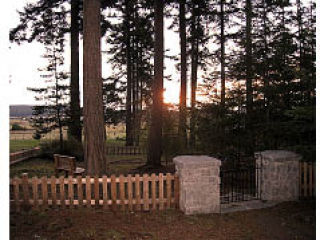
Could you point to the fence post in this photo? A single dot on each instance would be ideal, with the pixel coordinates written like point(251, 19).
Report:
point(280, 175)
point(16, 194)
point(25, 189)
point(199, 184)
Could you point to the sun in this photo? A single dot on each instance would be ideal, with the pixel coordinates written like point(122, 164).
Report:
point(171, 94)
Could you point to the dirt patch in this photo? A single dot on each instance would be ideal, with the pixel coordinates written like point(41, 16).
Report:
point(285, 221)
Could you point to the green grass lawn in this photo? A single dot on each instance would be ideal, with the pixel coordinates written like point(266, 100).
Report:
point(34, 167)
point(116, 142)
point(45, 167)
point(17, 145)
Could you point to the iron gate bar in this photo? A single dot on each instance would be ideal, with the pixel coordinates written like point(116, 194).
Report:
point(244, 183)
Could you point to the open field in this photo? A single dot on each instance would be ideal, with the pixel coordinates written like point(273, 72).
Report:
point(286, 221)
point(113, 131)
point(23, 139)
point(17, 145)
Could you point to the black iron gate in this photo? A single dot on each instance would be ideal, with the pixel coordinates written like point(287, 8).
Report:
point(240, 183)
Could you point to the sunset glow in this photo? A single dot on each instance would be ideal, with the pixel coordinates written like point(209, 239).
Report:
point(171, 94)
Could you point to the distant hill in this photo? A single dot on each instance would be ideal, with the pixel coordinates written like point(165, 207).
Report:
point(21, 110)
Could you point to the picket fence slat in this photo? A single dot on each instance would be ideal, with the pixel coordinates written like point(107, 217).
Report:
point(145, 192)
point(314, 178)
point(168, 181)
point(25, 189)
point(153, 191)
point(137, 192)
point(126, 192)
point(70, 191)
point(122, 192)
point(307, 179)
point(16, 194)
point(80, 191)
point(105, 192)
point(305, 173)
point(88, 192)
point(62, 191)
point(310, 180)
point(161, 191)
point(35, 192)
point(176, 191)
point(53, 191)
point(44, 189)
point(130, 193)
point(113, 191)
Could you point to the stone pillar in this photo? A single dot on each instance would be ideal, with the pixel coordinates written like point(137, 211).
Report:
point(199, 178)
point(280, 175)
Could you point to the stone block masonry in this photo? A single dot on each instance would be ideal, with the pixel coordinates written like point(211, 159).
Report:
point(280, 175)
point(199, 179)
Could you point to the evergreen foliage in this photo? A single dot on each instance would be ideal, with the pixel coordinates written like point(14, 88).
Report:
point(250, 69)
point(50, 114)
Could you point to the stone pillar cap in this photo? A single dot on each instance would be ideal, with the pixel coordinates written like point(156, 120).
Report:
point(196, 160)
point(279, 155)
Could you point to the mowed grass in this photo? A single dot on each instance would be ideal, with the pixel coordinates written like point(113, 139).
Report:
point(17, 145)
point(23, 139)
point(39, 167)
point(35, 167)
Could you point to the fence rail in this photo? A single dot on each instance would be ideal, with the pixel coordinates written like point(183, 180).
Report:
point(125, 150)
point(133, 193)
point(307, 180)
point(24, 155)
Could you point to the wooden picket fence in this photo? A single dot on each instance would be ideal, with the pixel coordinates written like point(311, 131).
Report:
point(307, 180)
point(133, 193)
point(125, 150)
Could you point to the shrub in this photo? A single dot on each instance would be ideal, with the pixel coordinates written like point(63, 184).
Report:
point(17, 127)
point(71, 147)
point(36, 136)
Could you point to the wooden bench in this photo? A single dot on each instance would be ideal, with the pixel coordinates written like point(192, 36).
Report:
point(66, 164)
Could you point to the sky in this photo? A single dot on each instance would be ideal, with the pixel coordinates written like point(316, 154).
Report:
point(25, 59)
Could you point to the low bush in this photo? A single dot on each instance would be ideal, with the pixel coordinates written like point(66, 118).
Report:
point(70, 147)
point(16, 127)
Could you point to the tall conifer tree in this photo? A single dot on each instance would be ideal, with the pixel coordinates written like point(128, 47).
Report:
point(94, 128)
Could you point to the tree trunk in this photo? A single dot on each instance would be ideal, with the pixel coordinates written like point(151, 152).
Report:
point(129, 137)
point(194, 73)
point(265, 74)
point(75, 124)
point(94, 129)
point(312, 81)
point(137, 95)
point(57, 106)
point(134, 80)
point(222, 42)
point(60, 128)
point(183, 74)
point(155, 133)
point(249, 90)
